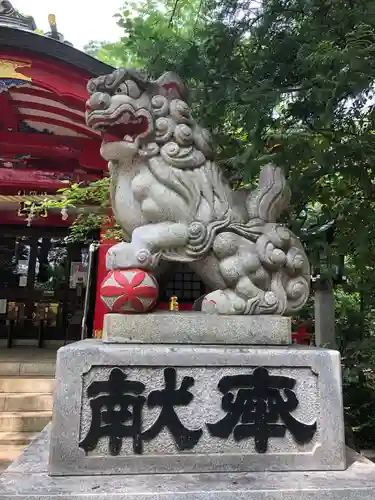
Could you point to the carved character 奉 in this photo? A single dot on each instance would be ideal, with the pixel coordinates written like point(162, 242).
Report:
point(173, 203)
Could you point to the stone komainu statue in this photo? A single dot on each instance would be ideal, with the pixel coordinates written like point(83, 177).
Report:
point(173, 203)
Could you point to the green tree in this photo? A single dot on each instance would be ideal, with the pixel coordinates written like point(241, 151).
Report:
point(292, 82)
point(281, 80)
point(106, 52)
point(288, 81)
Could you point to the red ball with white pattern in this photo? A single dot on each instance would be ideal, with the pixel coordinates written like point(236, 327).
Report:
point(129, 291)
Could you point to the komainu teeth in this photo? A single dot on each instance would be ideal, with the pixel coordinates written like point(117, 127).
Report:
point(135, 120)
point(128, 138)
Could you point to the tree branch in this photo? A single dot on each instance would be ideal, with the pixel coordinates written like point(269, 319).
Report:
point(173, 14)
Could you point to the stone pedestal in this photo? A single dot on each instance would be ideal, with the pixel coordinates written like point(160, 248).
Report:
point(196, 408)
point(28, 479)
point(122, 409)
point(196, 328)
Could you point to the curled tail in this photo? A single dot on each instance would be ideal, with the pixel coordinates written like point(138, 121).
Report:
point(271, 198)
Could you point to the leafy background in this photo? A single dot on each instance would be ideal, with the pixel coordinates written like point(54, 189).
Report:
point(292, 82)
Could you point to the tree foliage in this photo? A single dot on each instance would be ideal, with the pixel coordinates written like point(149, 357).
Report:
point(292, 82)
point(287, 81)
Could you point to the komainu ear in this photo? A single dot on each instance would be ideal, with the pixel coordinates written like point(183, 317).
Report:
point(172, 83)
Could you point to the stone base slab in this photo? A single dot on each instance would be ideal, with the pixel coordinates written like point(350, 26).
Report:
point(196, 328)
point(121, 409)
point(27, 478)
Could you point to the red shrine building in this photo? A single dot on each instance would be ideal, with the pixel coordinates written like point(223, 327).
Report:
point(48, 286)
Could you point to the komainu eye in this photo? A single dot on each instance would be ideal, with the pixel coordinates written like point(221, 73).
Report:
point(122, 89)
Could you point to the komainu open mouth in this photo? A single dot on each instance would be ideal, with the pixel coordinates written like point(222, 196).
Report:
point(124, 125)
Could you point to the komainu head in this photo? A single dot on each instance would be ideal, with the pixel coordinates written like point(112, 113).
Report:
point(140, 116)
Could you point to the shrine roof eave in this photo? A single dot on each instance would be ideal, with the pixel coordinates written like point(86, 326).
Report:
point(38, 44)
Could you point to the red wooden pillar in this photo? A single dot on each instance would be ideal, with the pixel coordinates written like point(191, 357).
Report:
point(100, 309)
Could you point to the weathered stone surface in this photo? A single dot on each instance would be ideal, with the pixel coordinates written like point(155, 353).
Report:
point(28, 478)
point(196, 328)
point(172, 201)
point(318, 389)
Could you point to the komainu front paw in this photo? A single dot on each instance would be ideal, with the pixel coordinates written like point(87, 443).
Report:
point(126, 256)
